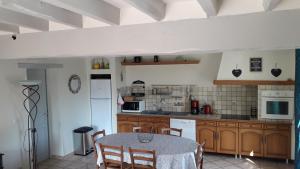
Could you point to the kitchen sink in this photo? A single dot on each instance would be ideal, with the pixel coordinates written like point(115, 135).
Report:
point(153, 112)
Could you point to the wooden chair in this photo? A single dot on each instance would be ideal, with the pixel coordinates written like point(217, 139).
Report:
point(109, 155)
point(142, 156)
point(142, 130)
point(199, 155)
point(95, 136)
point(168, 131)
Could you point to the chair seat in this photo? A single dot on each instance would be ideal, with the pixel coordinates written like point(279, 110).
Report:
point(139, 166)
point(114, 166)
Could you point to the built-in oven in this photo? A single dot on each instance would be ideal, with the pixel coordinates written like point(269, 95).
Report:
point(277, 104)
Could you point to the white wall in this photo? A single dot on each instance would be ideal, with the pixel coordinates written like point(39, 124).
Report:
point(201, 74)
point(285, 60)
point(67, 111)
point(13, 118)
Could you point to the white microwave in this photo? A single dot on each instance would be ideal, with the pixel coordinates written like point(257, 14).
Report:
point(277, 104)
point(133, 107)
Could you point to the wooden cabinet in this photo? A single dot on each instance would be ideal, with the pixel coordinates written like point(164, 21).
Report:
point(272, 140)
point(207, 134)
point(126, 126)
point(277, 144)
point(126, 123)
point(221, 137)
point(251, 142)
point(148, 123)
point(227, 140)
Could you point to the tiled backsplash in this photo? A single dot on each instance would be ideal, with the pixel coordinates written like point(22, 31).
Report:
point(223, 99)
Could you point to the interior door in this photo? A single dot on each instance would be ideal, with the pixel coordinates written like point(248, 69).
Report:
point(42, 126)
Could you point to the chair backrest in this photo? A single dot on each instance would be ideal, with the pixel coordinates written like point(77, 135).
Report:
point(168, 131)
point(112, 156)
point(144, 157)
point(199, 155)
point(95, 136)
point(142, 130)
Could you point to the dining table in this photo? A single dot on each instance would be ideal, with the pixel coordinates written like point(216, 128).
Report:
point(172, 152)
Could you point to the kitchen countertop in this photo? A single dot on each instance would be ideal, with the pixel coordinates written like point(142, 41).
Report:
point(205, 117)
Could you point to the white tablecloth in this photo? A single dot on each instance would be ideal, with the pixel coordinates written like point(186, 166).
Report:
point(171, 152)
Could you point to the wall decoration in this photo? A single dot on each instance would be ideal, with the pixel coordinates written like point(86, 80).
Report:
point(276, 71)
point(236, 72)
point(255, 64)
point(74, 84)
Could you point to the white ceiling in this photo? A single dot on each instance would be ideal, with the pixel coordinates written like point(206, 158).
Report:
point(128, 13)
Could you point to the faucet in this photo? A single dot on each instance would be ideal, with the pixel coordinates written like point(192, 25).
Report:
point(158, 107)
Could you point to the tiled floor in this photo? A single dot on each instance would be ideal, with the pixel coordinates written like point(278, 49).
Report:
point(211, 161)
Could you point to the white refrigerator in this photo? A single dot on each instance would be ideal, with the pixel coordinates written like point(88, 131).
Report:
point(101, 103)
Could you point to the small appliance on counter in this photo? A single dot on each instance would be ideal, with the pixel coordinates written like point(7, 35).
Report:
point(194, 107)
point(207, 109)
point(133, 106)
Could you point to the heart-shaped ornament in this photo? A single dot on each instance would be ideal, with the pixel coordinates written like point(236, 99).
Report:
point(276, 72)
point(236, 72)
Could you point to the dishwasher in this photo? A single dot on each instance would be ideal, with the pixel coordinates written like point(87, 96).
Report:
point(188, 127)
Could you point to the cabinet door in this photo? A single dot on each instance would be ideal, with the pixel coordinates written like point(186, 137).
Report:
point(208, 135)
point(251, 142)
point(227, 140)
point(147, 127)
point(160, 125)
point(277, 144)
point(126, 126)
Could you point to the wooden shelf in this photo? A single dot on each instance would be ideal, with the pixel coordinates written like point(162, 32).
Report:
point(161, 63)
point(253, 82)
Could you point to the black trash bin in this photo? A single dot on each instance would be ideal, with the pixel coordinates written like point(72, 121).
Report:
point(82, 141)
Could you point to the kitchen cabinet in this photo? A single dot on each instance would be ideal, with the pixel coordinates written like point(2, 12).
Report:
point(207, 134)
point(126, 126)
point(227, 140)
point(251, 142)
point(272, 140)
point(207, 131)
point(127, 123)
point(277, 143)
point(148, 123)
point(237, 137)
point(221, 137)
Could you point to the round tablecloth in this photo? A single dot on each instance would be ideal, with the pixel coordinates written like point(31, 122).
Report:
point(171, 152)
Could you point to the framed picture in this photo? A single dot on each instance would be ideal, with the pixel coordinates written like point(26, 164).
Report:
point(255, 64)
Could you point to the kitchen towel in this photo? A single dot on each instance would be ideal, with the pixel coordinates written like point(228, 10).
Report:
point(120, 100)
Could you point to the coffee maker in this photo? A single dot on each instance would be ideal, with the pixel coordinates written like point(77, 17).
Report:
point(194, 107)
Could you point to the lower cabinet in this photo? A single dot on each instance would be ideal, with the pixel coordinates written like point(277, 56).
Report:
point(277, 144)
point(207, 134)
point(227, 140)
point(251, 142)
point(126, 126)
point(148, 124)
point(219, 137)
